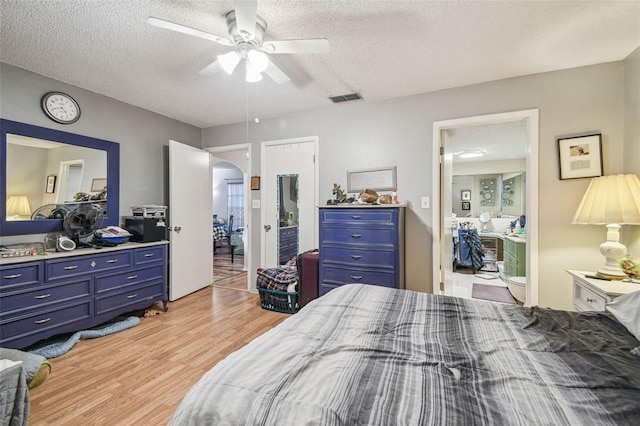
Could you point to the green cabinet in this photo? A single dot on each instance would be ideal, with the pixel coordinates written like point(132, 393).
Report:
point(515, 257)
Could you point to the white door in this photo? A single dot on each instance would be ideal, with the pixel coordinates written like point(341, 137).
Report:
point(190, 210)
point(446, 253)
point(288, 157)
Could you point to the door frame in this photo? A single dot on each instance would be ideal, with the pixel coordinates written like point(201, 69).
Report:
point(242, 147)
point(263, 195)
point(531, 116)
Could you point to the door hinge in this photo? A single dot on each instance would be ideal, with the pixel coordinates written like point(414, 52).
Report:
point(441, 286)
point(442, 150)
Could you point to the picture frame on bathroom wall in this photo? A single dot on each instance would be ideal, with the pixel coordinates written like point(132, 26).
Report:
point(466, 205)
point(465, 195)
point(580, 156)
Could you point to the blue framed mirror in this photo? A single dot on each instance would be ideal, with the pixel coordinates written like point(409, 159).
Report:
point(96, 155)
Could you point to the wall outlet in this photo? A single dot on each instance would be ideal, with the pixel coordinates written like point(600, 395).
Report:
point(255, 204)
point(424, 202)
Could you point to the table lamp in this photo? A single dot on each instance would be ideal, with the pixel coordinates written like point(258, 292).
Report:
point(612, 201)
point(18, 205)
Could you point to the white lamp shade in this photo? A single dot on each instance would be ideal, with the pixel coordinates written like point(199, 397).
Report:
point(610, 199)
point(18, 205)
point(229, 61)
point(253, 75)
point(258, 60)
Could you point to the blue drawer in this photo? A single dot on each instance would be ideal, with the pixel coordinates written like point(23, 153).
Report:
point(80, 265)
point(22, 274)
point(359, 236)
point(44, 323)
point(124, 279)
point(149, 255)
point(379, 215)
point(362, 257)
point(45, 295)
point(130, 299)
point(337, 275)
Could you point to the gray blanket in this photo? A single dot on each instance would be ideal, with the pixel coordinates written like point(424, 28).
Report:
point(376, 356)
point(14, 396)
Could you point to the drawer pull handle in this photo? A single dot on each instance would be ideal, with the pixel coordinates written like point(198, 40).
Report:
point(589, 300)
point(149, 255)
point(10, 277)
point(132, 296)
point(42, 321)
point(356, 256)
point(68, 268)
point(43, 296)
point(132, 277)
point(356, 235)
point(112, 261)
point(356, 277)
point(356, 217)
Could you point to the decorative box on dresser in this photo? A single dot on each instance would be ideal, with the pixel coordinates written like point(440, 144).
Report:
point(590, 294)
point(41, 296)
point(361, 244)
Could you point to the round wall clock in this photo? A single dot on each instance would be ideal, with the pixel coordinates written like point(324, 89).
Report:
point(60, 107)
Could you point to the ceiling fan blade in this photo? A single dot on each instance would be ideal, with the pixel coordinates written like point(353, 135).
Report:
point(211, 69)
point(246, 11)
point(161, 23)
point(311, 45)
point(276, 74)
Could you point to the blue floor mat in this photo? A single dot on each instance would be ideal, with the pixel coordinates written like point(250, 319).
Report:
point(62, 343)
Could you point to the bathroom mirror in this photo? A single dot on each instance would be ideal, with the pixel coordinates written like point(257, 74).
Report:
point(34, 159)
point(288, 217)
point(501, 194)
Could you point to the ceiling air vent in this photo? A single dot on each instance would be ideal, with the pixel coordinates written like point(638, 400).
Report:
point(345, 98)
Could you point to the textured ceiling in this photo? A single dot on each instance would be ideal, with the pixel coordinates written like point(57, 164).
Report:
point(381, 49)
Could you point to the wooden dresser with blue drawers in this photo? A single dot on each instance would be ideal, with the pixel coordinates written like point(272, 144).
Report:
point(41, 296)
point(361, 244)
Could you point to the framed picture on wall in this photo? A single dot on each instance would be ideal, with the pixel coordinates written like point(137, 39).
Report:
point(51, 184)
point(255, 183)
point(465, 195)
point(580, 156)
point(466, 205)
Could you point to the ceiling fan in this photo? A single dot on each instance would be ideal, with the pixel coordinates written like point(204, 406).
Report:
point(246, 37)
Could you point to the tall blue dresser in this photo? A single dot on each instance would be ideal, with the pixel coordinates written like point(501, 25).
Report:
point(361, 244)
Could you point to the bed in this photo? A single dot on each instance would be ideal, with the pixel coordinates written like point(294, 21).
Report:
point(378, 356)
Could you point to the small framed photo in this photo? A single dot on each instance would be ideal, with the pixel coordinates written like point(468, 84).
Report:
point(580, 156)
point(98, 184)
point(466, 205)
point(465, 195)
point(255, 183)
point(51, 184)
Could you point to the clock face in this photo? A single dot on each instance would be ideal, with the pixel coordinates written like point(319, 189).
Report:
point(60, 107)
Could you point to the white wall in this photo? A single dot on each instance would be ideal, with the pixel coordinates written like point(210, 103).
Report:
point(399, 131)
point(143, 135)
point(631, 234)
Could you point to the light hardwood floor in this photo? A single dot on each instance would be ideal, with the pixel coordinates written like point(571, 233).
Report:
point(139, 376)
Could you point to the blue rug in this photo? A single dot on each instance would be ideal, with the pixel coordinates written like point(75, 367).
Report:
point(62, 343)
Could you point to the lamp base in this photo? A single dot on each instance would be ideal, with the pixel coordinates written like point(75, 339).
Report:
point(613, 251)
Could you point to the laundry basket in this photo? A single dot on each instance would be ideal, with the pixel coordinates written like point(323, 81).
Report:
point(278, 289)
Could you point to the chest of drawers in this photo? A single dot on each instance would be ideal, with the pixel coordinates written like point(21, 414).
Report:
point(361, 245)
point(591, 294)
point(73, 291)
point(288, 244)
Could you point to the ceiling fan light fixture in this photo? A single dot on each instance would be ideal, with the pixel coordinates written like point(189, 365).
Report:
point(252, 75)
point(229, 61)
point(258, 60)
point(471, 154)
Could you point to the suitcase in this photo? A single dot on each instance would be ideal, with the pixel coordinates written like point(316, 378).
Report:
point(308, 276)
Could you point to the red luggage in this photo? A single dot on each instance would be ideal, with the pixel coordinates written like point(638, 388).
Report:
point(308, 276)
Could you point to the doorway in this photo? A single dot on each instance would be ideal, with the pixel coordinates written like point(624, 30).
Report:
point(443, 196)
point(234, 157)
point(71, 173)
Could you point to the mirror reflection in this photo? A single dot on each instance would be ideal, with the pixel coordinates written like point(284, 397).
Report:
point(498, 194)
point(288, 217)
point(44, 178)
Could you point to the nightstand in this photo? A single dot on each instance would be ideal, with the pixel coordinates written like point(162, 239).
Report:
point(590, 294)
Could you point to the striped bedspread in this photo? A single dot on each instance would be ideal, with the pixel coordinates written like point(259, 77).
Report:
point(365, 355)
